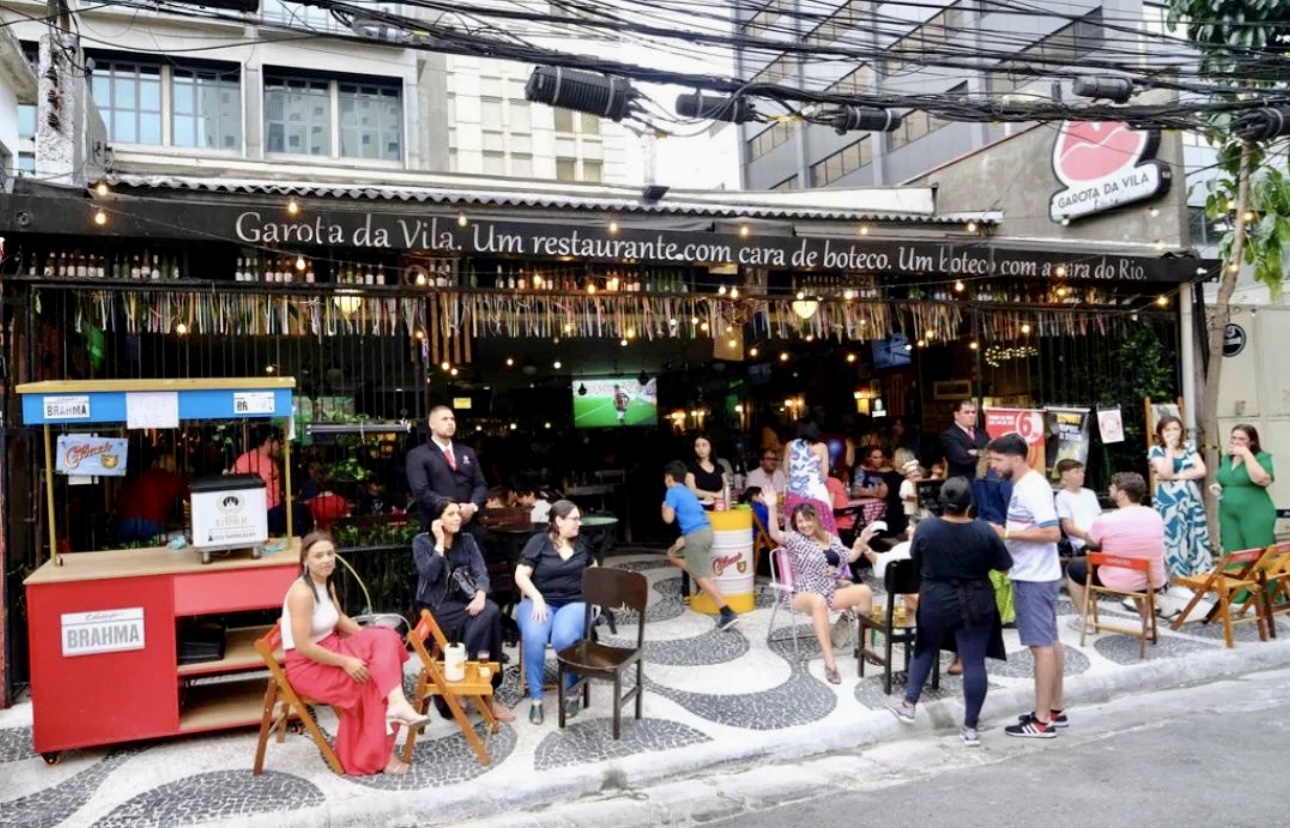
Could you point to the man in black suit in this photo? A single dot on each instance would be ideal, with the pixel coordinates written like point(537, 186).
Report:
point(963, 442)
point(441, 471)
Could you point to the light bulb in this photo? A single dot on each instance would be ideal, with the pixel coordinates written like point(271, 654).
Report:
point(973, 345)
point(1163, 301)
point(971, 227)
point(703, 327)
point(445, 366)
point(293, 208)
point(453, 371)
point(733, 343)
point(864, 229)
point(744, 231)
point(752, 352)
point(721, 291)
point(100, 218)
point(1060, 270)
point(181, 329)
point(613, 227)
point(734, 293)
point(300, 263)
point(623, 342)
point(461, 220)
point(1025, 327)
point(783, 356)
point(959, 286)
point(101, 189)
point(510, 362)
point(420, 334)
point(851, 357)
point(556, 365)
point(1250, 216)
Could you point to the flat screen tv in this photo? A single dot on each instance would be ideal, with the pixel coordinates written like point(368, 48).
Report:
point(610, 402)
point(892, 352)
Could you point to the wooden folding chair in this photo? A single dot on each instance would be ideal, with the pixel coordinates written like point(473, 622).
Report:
point(1273, 571)
point(1148, 630)
point(1235, 572)
point(281, 702)
point(432, 682)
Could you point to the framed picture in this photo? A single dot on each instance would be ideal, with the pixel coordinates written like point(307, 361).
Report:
point(952, 390)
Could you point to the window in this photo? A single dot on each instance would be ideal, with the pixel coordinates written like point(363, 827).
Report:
point(768, 139)
point(494, 141)
point(789, 183)
point(760, 22)
point(26, 162)
point(848, 16)
point(1068, 45)
point(521, 116)
point(563, 120)
point(206, 109)
point(842, 163)
point(494, 163)
point(522, 166)
point(855, 83)
point(312, 17)
point(26, 121)
point(929, 37)
point(335, 119)
point(566, 169)
point(371, 121)
point(590, 124)
point(297, 116)
point(593, 171)
point(775, 71)
point(128, 96)
point(490, 113)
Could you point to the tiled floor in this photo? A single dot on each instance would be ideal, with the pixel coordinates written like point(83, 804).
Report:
point(703, 687)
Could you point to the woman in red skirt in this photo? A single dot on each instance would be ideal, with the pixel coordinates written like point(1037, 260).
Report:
point(357, 670)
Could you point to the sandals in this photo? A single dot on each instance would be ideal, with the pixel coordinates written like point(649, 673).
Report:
point(535, 714)
point(832, 675)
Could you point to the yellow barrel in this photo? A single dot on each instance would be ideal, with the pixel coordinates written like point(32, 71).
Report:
point(731, 563)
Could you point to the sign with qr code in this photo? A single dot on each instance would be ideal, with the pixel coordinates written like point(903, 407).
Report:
point(253, 402)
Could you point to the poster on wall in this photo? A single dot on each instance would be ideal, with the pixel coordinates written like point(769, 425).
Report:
point(85, 456)
point(1027, 422)
point(1067, 436)
point(1110, 425)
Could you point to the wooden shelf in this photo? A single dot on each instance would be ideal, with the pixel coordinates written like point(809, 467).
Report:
point(221, 705)
point(239, 654)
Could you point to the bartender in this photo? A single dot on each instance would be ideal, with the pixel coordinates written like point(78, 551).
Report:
point(146, 501)
point(262, 460)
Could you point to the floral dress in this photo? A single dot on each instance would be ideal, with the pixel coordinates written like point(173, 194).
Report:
point(1187, 547)
point(812, 571)
point(806, 484)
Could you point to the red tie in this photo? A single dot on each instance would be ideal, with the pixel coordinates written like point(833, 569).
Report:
point(971, 436)
point(452, 461)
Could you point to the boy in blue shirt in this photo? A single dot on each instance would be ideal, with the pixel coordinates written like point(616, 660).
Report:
point(680, 505)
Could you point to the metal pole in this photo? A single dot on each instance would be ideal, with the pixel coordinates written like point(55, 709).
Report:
point(286, 461)
point(1187, 344)
point(49, 497)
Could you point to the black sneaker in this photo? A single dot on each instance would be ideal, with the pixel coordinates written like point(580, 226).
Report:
point(1059, 721)
point(727, 619)
point(1031, 728)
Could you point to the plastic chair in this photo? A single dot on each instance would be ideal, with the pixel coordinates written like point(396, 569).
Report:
point(432, 682)
point(781, 582)
point(1148, 630)
point(589, 659)
point(281, 702)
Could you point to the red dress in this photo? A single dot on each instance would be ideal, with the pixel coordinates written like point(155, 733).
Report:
point(361, 742)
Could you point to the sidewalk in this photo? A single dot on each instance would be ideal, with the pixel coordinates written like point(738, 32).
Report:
point(711, 697)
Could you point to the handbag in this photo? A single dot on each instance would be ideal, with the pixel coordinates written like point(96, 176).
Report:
point(840, 635)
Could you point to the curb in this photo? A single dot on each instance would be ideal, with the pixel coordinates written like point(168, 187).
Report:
point(610, 790)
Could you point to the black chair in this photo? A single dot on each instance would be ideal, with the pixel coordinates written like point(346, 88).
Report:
point(848, 536)
point(589, 659)
point(901, 578)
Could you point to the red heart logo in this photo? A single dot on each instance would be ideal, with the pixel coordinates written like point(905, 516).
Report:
point(1090, 150)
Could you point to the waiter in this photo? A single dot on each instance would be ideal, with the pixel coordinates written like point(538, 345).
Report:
point(441, 472)
point(963, 442)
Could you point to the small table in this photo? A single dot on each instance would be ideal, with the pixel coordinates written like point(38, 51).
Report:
point(600, 531)
point(896, 629)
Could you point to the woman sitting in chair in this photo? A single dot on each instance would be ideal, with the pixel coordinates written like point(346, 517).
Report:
point(453, 584)
point(815, 556)
point(549, 575)
point(357, 670)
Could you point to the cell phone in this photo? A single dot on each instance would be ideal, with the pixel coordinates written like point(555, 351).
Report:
point(879, 525)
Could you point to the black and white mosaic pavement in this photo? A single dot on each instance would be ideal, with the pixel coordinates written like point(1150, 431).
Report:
point(204, 797)
point(586, 741)
point(705, 691)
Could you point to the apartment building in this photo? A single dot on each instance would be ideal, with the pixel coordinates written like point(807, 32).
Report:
point(178, 92)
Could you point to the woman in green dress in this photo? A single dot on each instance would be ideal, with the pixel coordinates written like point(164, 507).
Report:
point(1246, 516)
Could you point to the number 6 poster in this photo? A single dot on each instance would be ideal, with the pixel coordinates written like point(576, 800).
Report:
point(1029, 423)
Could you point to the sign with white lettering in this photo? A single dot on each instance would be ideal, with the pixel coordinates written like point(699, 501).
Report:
point(253, 402)
point(67, 408)
point(103, 631)
point(1104, 165)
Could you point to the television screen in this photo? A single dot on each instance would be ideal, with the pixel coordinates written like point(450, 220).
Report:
point(892, 352)
point(615, 401)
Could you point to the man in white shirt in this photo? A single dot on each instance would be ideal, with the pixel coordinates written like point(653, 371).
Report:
point(1077, 507)
point(768, 476)
point(1031, 535)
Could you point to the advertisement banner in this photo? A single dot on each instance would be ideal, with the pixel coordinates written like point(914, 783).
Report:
point(1068, 436)
point(1027, 422)
point(86, 456)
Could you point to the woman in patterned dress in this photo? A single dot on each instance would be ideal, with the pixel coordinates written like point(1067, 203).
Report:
point(1177, 466)
point(808, 463)
point(815, 554)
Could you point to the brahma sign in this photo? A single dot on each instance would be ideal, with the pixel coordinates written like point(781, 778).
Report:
point(1104, 165)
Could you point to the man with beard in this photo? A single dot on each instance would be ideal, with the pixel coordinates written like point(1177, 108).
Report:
point(1031, 533)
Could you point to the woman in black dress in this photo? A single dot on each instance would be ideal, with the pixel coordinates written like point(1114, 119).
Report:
point(453, 584)
point(704, 475)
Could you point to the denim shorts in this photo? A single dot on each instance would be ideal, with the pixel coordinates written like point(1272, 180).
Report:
point(1036, 603)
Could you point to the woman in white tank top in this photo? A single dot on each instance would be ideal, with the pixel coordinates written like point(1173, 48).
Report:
point(357, 670)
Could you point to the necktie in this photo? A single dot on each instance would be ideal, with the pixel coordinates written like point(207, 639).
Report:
point(452, 461)
point(972, 434)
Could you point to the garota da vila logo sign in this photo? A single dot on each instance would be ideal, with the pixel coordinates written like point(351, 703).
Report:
point(1104, 165)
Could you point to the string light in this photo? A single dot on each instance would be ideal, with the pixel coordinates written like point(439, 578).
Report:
point(1025, 327)
point(922, 343)
point(783, 356)
point(591, 288)
point(1059, 271)
point(1231, 204)
point(996, 355)
point(445, 366)
point(510, 362)
point(971, 227)
point(752, 352)
point(851, 357)
point(973, 345)
point(613, 227)
point(733, 343)
point(1062, 291)
point(1163, 301)
point(631, 333)
point(734, 293)
point(703, 326)
point(1155, 211)
point(181, 329)
point(1066, 222)
point(101, 189)
point(462, 221)
point(269, 369)
point(721, 291)
point(623, 342)
point(546, 425)
point(1250, 216)
point(744, 231)
point(864, 229)
point(556, 365)
point(420, 334)
point(959, 286)
point(452, 371)
point(300, 263)
point(100, 218)
point(293, 208)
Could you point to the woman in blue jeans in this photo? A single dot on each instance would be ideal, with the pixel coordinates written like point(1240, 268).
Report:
point(955, 555)
point(549, 575)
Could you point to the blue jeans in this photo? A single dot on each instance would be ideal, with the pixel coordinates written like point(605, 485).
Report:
point(562, 627)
